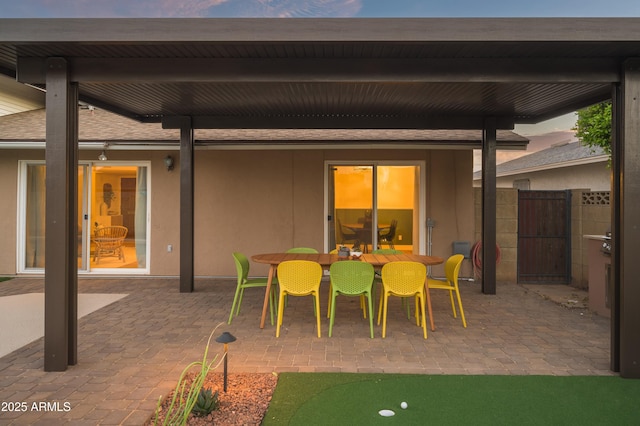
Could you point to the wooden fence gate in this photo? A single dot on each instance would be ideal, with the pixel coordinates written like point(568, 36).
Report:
point(544, 237)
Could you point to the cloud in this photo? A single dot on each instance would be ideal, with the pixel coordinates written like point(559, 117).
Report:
point(182, 8)
point(295, 8)
point(121, 8)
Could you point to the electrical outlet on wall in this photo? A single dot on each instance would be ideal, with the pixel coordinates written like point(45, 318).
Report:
point(169, 248)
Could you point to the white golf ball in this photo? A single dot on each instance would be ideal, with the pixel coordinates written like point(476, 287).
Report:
point(404, 405)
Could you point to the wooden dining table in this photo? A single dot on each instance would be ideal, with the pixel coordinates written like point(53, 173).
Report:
point(326, 260)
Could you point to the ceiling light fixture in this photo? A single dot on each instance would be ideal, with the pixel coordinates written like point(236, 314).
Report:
point(103, 154)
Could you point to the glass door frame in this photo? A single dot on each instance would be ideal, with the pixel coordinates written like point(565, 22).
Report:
point(84, 209)
point(119, 271)
point(329, 224)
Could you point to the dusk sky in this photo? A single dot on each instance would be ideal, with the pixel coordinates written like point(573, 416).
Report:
point(315, 8)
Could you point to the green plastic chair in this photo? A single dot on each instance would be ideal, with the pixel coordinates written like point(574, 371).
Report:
point(351, 278)
point(242, 268)
point(386, 251)
point(302, 250)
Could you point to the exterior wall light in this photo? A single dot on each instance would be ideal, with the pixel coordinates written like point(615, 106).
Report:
point(168, 162)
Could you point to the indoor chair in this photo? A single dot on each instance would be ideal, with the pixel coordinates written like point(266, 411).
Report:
point(388, 236)
point(299, 278)
point(242, 269)
point(351, 278)
point(109, 241)
point(406, 280)
point(451, 271)
point(346, 236)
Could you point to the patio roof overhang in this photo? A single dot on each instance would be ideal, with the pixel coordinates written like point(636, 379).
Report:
point(485, 74)
point(328, 73)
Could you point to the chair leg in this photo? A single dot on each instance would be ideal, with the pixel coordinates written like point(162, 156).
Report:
point(280, 312)
point(464, 321)
point(424, 320)
point(272, 301)
point(317, 309)
point(233, 305)
point(427, 295)
point(332, 315)
point(329, 301)
point(380, 305)
point(384, 315)
point(370, 304)
point(453, 305)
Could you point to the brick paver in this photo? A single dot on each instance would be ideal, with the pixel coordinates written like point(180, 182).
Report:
point(132, 351)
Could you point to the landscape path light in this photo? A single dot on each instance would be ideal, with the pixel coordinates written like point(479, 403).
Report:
point(225, 338)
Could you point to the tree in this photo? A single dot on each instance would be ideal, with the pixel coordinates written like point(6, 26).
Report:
point(593, 127)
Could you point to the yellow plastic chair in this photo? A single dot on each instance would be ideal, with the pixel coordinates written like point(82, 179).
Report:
point(299, 278)
point(242, 268)
point(378, 280)
point(405, 279)
point(451, 271)
point(302, 250)
point(351, 278)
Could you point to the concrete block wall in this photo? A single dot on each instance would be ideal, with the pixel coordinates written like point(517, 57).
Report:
point(506, 230)
point(590, 215)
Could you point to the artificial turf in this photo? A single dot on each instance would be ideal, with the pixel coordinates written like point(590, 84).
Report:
point(356, 399)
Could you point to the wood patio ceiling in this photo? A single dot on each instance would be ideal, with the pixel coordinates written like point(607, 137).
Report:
point(329, 73)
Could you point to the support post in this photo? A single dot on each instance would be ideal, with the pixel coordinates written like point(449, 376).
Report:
point(186, 206)
point(627, 208)
point(61, 233)
point(489, 143)
point(617, 109)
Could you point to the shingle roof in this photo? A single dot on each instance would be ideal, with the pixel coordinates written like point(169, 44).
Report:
point(100, 125)
point(554, 157)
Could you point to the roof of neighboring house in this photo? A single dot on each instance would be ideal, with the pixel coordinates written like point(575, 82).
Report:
point(562, 155)
point(97, 125)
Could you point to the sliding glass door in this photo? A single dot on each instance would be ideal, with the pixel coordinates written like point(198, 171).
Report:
point(375, 205)
point(118, 212)
point(112, 218)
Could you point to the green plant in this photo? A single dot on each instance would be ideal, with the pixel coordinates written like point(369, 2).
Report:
point(593, 127)
point(206, 403)
point(187, 391)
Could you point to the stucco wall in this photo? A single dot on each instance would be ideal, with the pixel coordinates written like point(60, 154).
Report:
point(269, 201)
point(8, 212)
point(595, 177)
point(259, 201)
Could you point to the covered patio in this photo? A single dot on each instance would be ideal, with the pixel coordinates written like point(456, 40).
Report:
point(133, 350)
point(486, 74)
